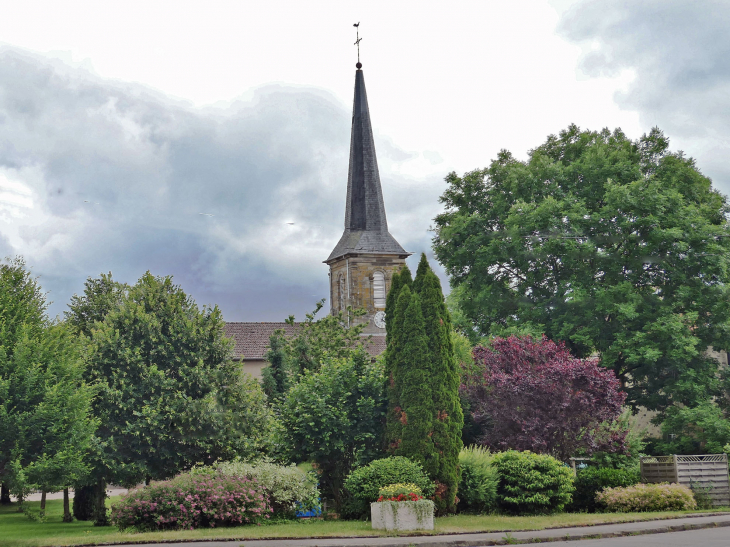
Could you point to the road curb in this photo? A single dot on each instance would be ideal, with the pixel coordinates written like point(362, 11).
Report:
point(508, 538)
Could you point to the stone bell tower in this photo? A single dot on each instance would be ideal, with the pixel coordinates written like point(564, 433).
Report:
point(364, 260)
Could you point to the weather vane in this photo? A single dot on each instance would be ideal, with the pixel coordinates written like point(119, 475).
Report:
point(357, 43)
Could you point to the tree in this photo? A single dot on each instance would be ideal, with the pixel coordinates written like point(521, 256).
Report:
point(444, 381)
point(275, 376)
point(170, 396)
point(333, 416)
point(424, 418)
point(46, 424)
point(703, 429)
point(533, 395)
point(611, 245)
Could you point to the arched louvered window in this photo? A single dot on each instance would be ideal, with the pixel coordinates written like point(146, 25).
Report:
point(379, 289)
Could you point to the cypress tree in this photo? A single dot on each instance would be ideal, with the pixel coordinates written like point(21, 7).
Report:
point(392, 332)
point(443, 378)
point(417, 410)
point(393, 358)
point(423, 267)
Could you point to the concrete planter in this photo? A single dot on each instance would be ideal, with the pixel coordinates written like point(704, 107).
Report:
point(402, 515)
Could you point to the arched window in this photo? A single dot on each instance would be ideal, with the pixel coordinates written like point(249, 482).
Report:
point(379, 289)
point(341, 292)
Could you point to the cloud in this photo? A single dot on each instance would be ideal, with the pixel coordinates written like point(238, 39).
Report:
point(679, 53)
point(99, 175)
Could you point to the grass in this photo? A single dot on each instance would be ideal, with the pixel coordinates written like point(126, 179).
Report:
point(16, 530)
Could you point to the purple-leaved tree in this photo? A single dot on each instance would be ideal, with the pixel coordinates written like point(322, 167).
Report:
point(528, 394)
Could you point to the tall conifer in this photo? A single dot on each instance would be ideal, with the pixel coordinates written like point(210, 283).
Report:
point(443, 377)
point(423, 267)
point(424, 414)
point(412, 383)
point(393, 357)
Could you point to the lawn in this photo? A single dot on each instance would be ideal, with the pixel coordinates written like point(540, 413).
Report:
point(16, 530)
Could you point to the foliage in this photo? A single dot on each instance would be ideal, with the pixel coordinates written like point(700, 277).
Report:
point(592, 480)
point(101, 295)
point(46, 425)
point(533, 395)
point(364, 483)
point(532, 483)
point(425, 417)
point(393, 338)
point(400, 492)
point(703, 429)
point(634, 445)
point(288, 488)
point(83, 502)
point(170, 395)
point(334, 416)
point(614, 246)
point(479, 480)
point(192, 501)
point(334, 336)
point(275, 376)
point(647, 497)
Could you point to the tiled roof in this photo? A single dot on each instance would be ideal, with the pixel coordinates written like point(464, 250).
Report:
point(252, 339)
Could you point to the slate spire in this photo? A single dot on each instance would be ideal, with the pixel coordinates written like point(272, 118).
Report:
point(366, 227)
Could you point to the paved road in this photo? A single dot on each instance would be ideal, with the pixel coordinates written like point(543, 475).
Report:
point(710, 537)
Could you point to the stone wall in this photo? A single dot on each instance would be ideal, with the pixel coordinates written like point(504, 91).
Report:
point(358, 270)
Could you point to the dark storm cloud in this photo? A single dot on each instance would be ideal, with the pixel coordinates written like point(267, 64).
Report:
point(680, 53)
point(240, 204)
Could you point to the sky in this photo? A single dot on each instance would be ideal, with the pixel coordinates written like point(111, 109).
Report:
point(209, 140)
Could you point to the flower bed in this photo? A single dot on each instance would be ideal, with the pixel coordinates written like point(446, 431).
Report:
point(192, 501)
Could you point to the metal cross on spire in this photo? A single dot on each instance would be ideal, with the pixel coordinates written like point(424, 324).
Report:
point(357, 42)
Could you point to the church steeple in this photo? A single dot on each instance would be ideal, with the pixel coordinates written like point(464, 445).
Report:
point(364, 260)
point(366, 226)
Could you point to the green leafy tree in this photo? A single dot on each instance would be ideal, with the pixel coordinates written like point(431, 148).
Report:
point(314, 341)
point(101, 295)
point(46, 425)
point(703, 429)
point(614, 246)
point(170, 395)
point(334, 418)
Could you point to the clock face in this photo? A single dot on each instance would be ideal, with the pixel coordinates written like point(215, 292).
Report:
point(379, 319)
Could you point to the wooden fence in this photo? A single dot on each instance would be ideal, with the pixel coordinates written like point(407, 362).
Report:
point(706, 473)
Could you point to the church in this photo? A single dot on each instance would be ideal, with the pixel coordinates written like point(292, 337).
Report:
point(362, 263)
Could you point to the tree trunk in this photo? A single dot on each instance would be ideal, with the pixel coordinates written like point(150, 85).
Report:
point(147, 481)
point(66, 509)
point(100, 516)
point(4, 494)
point(43, 502)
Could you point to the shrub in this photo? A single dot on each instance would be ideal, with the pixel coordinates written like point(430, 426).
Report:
point(532, 483)
point(285, 485)
point(192, 501)
point(363, 484)
point(479, 479)
point(647, 497)
point(592, 480)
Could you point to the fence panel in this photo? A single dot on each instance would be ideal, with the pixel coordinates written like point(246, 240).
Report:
point(707, 473)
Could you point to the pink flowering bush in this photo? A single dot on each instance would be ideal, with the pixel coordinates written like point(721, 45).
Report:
point(192, 501)
point(647, 497)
